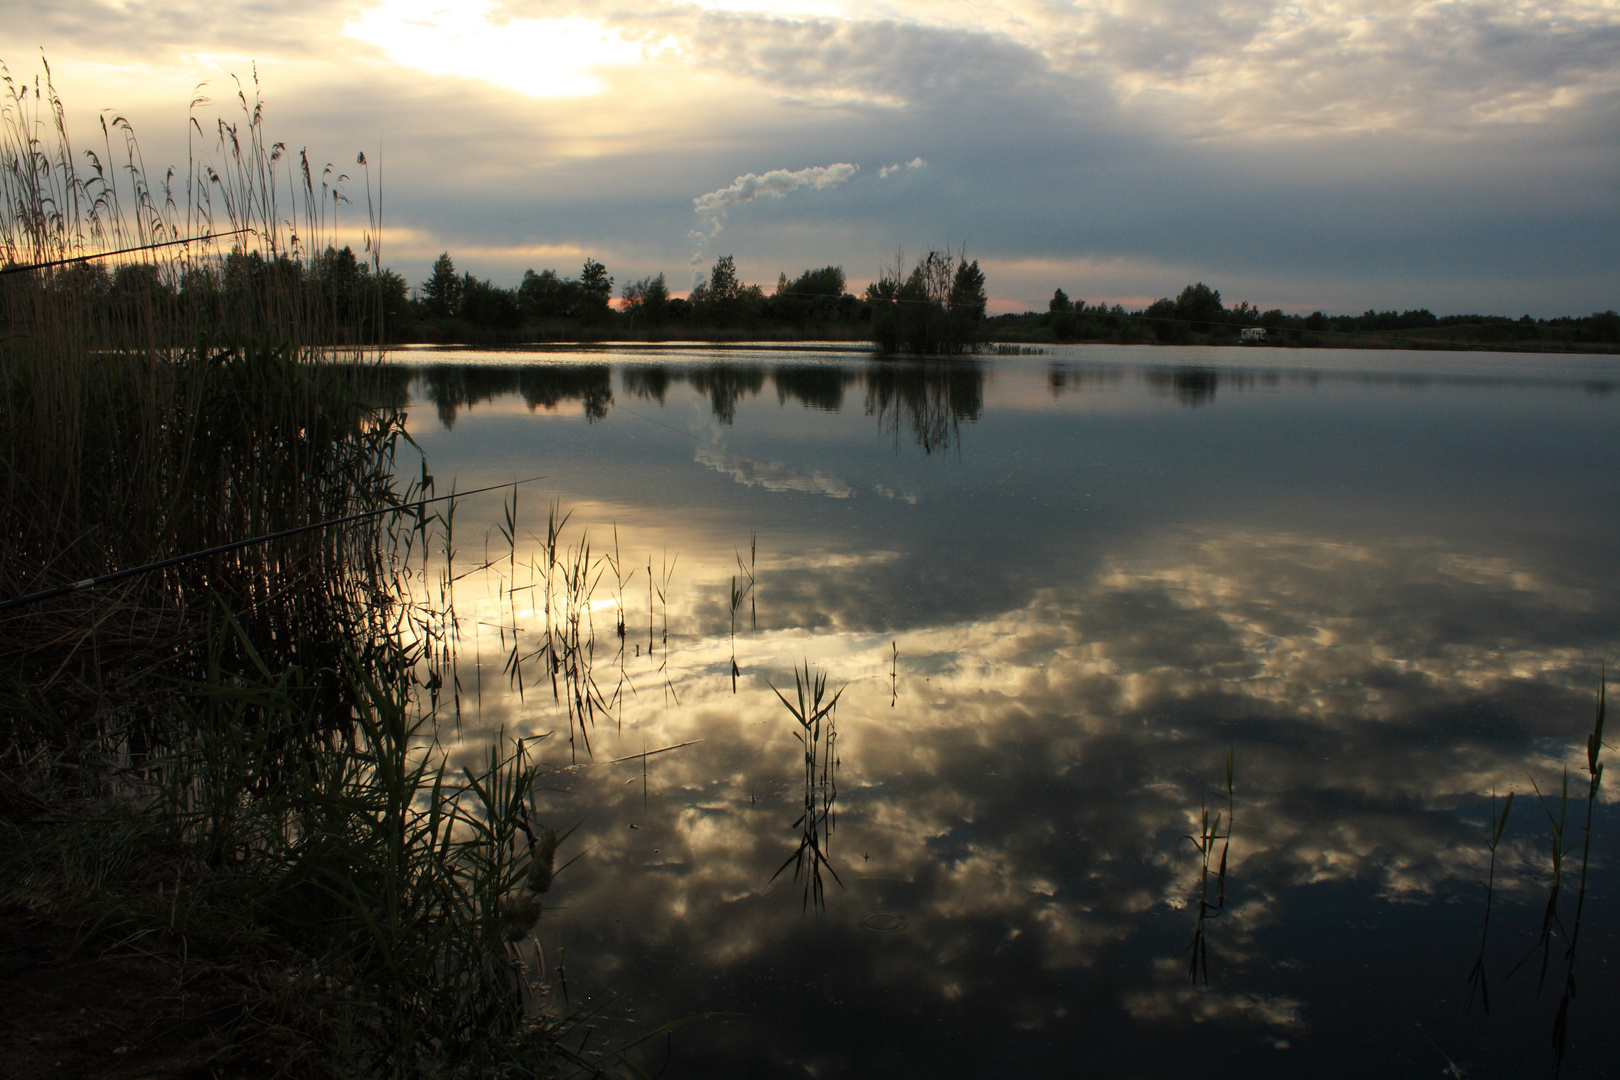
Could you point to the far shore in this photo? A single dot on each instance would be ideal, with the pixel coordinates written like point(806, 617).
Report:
point(1446, 339)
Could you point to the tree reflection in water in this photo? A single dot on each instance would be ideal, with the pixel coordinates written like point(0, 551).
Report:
point(726, 385)
point(931, 398)
point(1191, 386)
point(452, 388)
point(815, 386)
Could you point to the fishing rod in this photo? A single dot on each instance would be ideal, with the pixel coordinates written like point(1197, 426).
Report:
point(121, 251)
point(90, 583)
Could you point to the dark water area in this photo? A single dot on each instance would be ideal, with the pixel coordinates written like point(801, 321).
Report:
point(1058, 594)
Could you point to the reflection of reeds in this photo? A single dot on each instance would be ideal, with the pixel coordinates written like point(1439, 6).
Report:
point(620, 578)
point(813, 710)
point(662, 590)
point(742, 588)
point(894, 673)
point(1209, 833)
point(565, 577)
point(1549, 915)
point(1551, 920)
point(1498, 824)
point(1594, 772)
point(573, 644)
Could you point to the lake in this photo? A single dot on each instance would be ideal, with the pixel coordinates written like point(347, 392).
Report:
point(1055, 597)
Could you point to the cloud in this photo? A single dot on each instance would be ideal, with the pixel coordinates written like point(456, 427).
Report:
point(1245, 66)
point(777, 182)
point(1254, 66)
point(1109, 701)
point(876, 64)
point(1371, 153)
point(889, 170)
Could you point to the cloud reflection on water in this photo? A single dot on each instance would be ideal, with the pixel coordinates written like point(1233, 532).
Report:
point(1014, 817)
point(1029, 791)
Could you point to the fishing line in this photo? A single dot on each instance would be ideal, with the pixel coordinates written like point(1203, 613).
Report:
point(121, 251)
point(117, 575)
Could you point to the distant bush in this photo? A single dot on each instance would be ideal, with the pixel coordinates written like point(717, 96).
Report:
point(937, 309)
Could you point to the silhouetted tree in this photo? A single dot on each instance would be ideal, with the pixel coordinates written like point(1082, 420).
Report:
point(441, 292)
point(1200, 304)
point(936, 309)
point(967, 301)
point(1602, 326)
point(724, 300)
point(487, 304)
point(1062, 315)
point(814, 294)
point(647, 298)
point(544, 295)
point(595, 290)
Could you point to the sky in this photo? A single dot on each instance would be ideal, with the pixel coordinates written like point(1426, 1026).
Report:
point(1333, 154)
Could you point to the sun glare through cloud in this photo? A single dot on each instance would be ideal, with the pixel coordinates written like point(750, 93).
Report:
point(545, 58)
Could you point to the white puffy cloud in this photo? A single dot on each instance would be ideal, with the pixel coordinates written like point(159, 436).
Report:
point(776, 183)
point(889, 170)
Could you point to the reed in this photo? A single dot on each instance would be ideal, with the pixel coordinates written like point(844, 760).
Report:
point(742, 588)
point(1209, 834)
point(660, 618)
point(167, 400)
point(621, 629)
point(817, 733)
point(261, 729)
point(1477, 976)
point(1557, 850)
point(1560, 847)
point(395, 897)
point(894, 673)
point(1594, 776)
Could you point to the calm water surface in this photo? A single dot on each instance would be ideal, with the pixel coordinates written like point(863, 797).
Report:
point(1057, 592)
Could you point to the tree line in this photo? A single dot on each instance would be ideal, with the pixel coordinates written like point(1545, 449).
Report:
point(548, 301)
point(1197, 315)
point(335, 295)
point(935, 307)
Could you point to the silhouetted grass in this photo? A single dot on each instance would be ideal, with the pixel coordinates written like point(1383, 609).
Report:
point(255, 733)
point(1498, 824)
point(1560, 847)
point(814, 712)
point(1209, 833)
